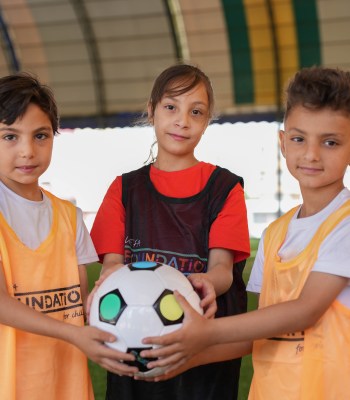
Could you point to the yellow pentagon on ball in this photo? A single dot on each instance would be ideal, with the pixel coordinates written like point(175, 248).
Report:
point(170, 308)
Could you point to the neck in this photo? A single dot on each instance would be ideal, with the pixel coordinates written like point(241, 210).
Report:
point(30, 192)
point(170, 165)
point(314, 202)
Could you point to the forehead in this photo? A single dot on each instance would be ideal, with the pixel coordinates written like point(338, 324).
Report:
point(32, 116)
point(199, 92)
point(324, 117)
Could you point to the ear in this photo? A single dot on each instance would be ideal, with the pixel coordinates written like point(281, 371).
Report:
point(282, 138)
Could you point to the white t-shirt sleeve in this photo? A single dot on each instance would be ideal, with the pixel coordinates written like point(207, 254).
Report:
point(256, 276)
point(333, 257)
point(334, 254)
point(85, 249)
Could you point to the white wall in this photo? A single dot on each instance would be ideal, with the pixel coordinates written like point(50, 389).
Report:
point(85, 162)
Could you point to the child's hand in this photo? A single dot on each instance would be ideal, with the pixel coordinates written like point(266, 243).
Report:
point(180, 346)
point(205, 289)
point(91, 341)
point(170, 374)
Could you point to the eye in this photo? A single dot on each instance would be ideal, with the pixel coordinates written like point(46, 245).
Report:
point(170, 107)
point(297, 139)
point(330, 143)
point(9, 137)
point(197, 112)
point(41, 136)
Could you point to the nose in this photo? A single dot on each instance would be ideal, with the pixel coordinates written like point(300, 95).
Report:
point(26, 149)
point(312, 152)
point(182, 119)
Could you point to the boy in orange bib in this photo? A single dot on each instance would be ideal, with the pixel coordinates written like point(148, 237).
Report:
point(300, 335)
point(44, 245)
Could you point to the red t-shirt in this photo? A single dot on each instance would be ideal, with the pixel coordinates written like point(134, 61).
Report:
point(228, 231)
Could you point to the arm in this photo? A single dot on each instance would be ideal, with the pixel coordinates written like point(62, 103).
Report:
point(88, 339)
point(319, 292)
point(111, 262)
point(228, 243)
point(230, 229)
point(216, 281)
point(108, 229)
point(215, 353)
point(220, 266)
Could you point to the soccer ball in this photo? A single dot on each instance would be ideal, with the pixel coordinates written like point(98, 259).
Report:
point(137, 301)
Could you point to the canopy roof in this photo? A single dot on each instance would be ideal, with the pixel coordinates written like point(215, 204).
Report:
point(101, 56)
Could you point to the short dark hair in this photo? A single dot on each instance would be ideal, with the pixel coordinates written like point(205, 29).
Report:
point(19, 90)
point(178, 79)
point(317, 87)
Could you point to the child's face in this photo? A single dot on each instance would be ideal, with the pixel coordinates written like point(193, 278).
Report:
point(25, 152)
point(316, 145)
point(179, 122)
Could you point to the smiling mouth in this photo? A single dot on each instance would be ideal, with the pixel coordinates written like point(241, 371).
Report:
point(310, 170)
point(177, 137)
point(26, 168)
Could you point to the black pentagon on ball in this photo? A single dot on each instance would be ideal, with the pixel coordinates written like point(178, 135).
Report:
point(139, 362)
point(156, 306)
point(111, 307)
point(153, 266)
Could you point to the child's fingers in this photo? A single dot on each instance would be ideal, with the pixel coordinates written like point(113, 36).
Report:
point(118, 367)
point(184, 304)
point(105, 337)
point(210, 310)
point(162, 352)
point(164, 340)
point(175, 359)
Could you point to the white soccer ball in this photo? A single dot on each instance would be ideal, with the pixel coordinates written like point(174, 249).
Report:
point(137, 301)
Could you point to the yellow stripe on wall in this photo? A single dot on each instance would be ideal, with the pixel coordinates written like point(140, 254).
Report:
point(262, 46)
point(287, 38)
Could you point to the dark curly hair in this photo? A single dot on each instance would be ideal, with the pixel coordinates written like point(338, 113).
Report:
point(316, 88)
point(19, 90)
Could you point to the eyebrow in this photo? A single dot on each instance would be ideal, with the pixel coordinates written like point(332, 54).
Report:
point(8, 128)
point(291, 130)
point(15, 130)
point(323, 134)
point(194, 102)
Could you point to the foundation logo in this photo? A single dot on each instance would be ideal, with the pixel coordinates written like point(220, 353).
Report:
point(185, 263)
point(51, 301)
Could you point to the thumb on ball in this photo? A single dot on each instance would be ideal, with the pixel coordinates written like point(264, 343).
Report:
point(106, 337)
point(184, 304)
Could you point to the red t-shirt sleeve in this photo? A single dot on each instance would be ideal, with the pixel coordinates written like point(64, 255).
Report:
point(109, 226)
point(230, 228)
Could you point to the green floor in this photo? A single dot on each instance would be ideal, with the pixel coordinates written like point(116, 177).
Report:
point(99, 375)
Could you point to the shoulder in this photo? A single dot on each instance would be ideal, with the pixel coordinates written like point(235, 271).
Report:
point(58, 200)
point(276, 230)
point(224, 181)
point(62, 205)
point(137, 172)
point(282, 221)
point(224, 173)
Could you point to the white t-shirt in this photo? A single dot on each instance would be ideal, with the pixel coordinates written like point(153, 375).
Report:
point(31, 220)
point(334, 252)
